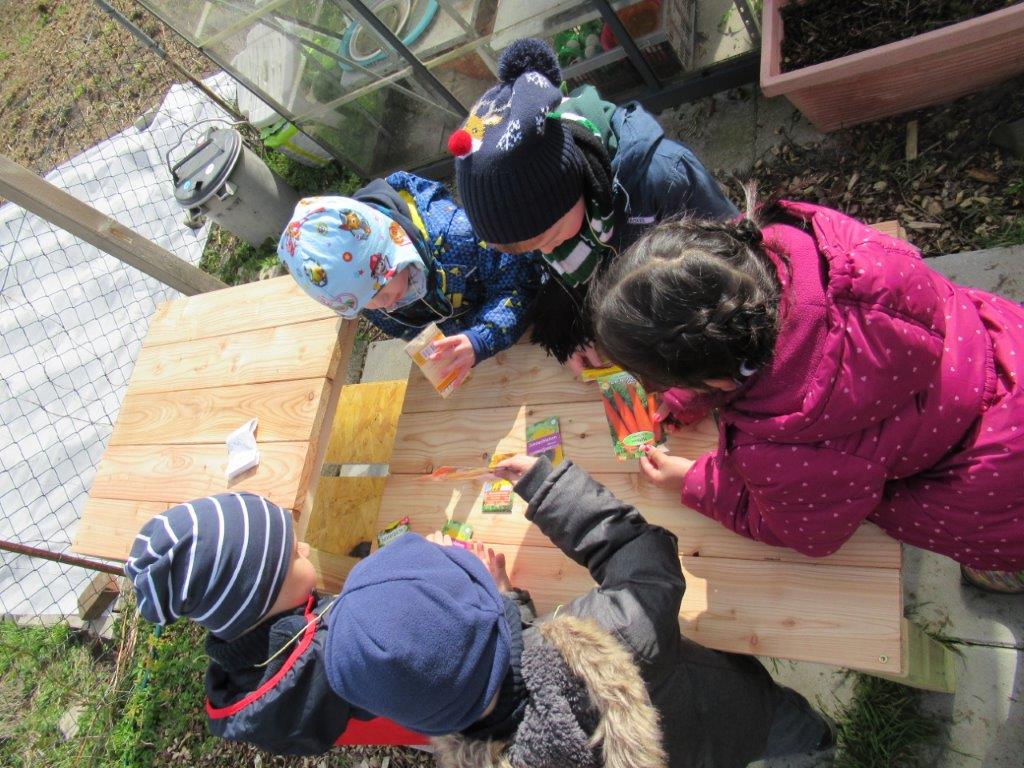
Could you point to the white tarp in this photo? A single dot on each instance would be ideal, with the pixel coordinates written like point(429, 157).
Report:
point(72, 320)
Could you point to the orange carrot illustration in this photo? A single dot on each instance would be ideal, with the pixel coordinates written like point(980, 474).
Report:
point(620, 429)
point(627, 415)
point(643, 420)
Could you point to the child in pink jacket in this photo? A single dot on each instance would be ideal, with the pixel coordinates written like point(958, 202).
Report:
point(853, 383)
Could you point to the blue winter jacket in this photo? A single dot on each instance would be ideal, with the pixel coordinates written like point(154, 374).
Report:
point(656, 177)
point(471, 289)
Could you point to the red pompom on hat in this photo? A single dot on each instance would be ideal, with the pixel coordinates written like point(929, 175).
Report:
point(460, 143)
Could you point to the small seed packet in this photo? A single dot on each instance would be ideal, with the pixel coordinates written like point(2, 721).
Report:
point(457, 531)
point(497, 498)
point(545, 439)
point(420, 349)
point(631, 415)
point(392, 532)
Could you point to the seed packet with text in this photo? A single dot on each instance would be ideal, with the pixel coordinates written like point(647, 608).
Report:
point(497, 498)
point(545, 439)
point(631, 414)
point(458, 531)
point(420, 349)
point(393, 531)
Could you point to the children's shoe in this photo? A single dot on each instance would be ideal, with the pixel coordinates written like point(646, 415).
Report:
point(999, 582)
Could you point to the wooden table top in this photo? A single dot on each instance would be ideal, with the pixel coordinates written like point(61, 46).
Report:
point(210, 363)
point(845, 610)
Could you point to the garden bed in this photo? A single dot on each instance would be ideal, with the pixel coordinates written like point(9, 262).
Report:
point(813, 28)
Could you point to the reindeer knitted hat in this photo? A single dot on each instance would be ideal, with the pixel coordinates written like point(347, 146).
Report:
point(517, 168)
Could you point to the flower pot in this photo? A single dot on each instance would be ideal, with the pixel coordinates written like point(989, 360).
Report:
point(909, 74)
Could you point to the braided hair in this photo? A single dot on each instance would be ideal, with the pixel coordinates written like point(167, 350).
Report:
point(691, 300)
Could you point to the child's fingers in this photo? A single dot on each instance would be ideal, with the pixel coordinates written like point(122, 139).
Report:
point(448, 342)
point(650, 470)
point(662, 413)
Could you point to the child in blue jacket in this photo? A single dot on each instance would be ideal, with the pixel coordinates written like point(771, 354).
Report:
point(401, 253)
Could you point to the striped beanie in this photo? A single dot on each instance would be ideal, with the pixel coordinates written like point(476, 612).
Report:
point(220, 561)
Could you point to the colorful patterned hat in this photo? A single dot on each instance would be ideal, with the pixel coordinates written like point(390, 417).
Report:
point(342, 251)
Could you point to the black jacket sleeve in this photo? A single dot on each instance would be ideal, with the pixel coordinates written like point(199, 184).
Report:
point(635, 564)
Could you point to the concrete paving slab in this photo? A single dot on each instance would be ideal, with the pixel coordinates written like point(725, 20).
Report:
point(386, 361)
point(999, 270)
point(935, 599)
point(985, 716)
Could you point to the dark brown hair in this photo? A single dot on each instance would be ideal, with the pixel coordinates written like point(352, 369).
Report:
point(691, 300)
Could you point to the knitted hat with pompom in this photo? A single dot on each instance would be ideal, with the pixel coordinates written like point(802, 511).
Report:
point(517, 168)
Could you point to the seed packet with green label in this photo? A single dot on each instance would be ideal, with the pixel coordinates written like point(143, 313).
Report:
point(545, 439)
point(497, 498)
point(631, 414)
point(392, 532)
point(458, 531)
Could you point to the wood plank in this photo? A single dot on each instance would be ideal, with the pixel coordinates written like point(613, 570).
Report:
point(785, 610)
point(243, 308)
point(927, 663)
point(522, 375)
point(471, 437)
point(286, 410)
point(35, 194)
point(99, 593)
point(365, 423)
point(429, 504)
point(108, 526)
point(298, 351)
point(344, 513)
point(331, 570)
point(891, 227)
point(178, 473)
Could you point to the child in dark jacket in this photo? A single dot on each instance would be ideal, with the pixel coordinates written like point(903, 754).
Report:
point(853, 383)
point(232, 564)
point(436, 638)
point(400, 252)
point(576, 178)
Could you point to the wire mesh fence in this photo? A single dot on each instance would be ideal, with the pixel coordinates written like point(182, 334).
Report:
point(95, 114)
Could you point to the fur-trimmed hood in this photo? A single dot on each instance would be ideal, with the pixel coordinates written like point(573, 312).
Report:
point(627, 734)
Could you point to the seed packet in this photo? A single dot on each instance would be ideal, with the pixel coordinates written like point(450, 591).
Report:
point(392, 532)
point(420, 349)
point(631, 414)
point(497, 498)
point(457, 531)
point(545, 439)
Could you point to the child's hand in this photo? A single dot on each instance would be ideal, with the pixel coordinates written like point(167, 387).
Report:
point(493, 561)
point(588, 357)
point(456, 354)
point(512, 469)
point(663, 470)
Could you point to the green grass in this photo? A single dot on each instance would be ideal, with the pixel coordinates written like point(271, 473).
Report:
point(884, 727)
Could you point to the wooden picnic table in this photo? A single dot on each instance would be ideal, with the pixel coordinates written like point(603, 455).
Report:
point(212, 362)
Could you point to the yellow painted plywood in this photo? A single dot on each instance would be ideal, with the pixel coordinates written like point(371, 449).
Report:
point(365, 423)
point(344, 513)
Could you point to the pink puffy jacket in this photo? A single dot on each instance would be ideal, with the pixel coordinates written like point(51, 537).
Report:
point(893, 395)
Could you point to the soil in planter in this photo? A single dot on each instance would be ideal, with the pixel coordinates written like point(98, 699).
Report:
point(822, 30)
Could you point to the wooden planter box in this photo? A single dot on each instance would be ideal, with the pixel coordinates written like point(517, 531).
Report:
point(909, 74)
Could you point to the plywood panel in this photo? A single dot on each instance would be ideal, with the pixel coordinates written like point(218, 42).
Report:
point(365, 423)
point(108, 526)
point(844, 616)
point(430, 503)
point(300, 351)
point(262, 304)
point(344, 513)
point(469, 438)
point(287, 411)
point(178, 473)
point(522, 375)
